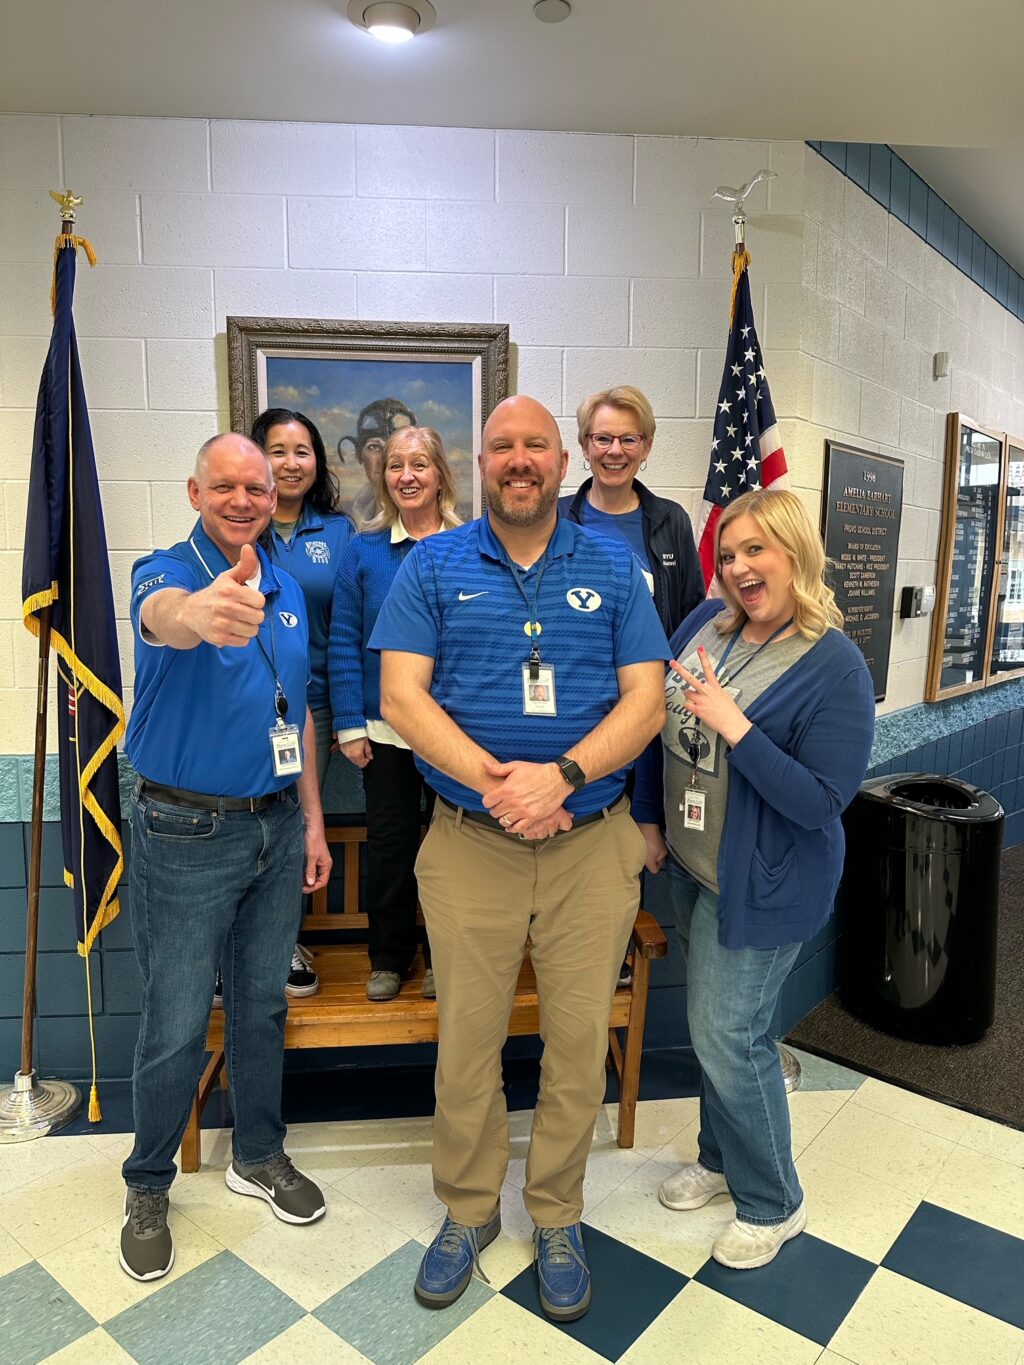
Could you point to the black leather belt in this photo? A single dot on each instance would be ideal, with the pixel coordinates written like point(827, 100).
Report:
point(177, 796)
point(481, 817)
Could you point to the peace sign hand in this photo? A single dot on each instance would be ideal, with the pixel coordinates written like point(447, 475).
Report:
point(710, 702)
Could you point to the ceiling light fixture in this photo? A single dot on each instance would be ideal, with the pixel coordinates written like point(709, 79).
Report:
point(552, 11)
point(390, 22)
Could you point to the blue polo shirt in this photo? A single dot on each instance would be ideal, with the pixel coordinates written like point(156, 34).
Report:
point(202, 717)
point(455, 600)
point(312, 557)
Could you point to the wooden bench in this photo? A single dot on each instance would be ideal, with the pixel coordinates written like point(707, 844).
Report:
point(339, 1015)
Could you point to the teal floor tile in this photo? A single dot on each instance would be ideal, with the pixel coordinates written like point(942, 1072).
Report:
point(378, 1315)
point(217, 1314)
point(818, 1074)
point(37, 1316)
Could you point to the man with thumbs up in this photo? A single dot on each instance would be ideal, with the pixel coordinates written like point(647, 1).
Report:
point(226, 822)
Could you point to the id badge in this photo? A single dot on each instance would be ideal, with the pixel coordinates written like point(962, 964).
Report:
point(692, 807)
point(286, 750)
point(539, 692)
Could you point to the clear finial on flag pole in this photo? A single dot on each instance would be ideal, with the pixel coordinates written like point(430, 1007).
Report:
point(736, 197)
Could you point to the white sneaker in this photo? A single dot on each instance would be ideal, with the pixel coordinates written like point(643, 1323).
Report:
point(692, 1187)
point(745, 1246)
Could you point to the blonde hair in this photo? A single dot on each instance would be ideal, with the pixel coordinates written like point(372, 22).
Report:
point(626, 399)
point(784, 520)
point(430, 443)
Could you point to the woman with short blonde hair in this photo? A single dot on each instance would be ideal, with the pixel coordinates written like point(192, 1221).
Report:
point(616, 432)
point(770, 717)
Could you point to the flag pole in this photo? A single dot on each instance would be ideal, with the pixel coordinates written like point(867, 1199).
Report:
point(30, 1107)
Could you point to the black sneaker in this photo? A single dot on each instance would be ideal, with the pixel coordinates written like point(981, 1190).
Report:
point(218, 991)
point(293, 1196)
point(302, 979)
point(625, 975)
point(147, 1251)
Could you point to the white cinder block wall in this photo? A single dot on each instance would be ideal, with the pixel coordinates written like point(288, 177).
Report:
point(602, 253)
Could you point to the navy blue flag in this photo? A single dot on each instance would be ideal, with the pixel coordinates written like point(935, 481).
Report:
point(746, 448)
point(65, 566)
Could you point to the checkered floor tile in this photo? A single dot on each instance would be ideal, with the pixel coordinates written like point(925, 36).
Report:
point(914, 1251)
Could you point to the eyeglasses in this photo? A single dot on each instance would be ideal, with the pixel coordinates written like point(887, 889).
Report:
point(627, 444)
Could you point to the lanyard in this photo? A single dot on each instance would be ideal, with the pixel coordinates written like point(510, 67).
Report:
point(280, 698)
point(531, 607)
point(693, 747)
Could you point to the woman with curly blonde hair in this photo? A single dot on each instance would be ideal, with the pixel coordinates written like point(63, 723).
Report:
point(770, 718)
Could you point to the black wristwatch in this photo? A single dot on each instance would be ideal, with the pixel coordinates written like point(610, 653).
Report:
point(572, 772)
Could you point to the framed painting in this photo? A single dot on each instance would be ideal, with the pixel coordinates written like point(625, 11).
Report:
point(360, 381)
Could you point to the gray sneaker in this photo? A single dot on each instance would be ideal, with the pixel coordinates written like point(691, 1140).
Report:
point(429, 989)
point(147, 1251)
point(383, 985)
point(293, 1196)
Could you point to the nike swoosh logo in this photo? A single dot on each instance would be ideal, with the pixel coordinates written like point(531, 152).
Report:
point(468, 596)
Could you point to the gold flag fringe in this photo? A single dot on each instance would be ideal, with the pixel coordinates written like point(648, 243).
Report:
point(67, 239)
point(740, 261)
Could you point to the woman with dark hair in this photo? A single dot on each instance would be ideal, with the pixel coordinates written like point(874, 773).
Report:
point(306, 538)
point(416, 494)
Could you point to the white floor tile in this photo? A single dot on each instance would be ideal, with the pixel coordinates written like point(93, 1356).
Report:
point(898, 1322)
point(882, 1148)
point(226, 1217)
point(993, 1139)
point(703, 1327)
point(56, 1208)
point(917, 1110)
point(810, 1111)
point(310, 1343)
point(312, 1262)
point(983, 1188)
point(88, 1268)
point(12, 1253)
point(23, 1162)
point(852, 1210)
point(95, 1348)
point(501, 1332)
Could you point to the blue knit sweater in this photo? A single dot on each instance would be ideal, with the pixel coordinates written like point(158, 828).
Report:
point(368, 568)
point(790, 778)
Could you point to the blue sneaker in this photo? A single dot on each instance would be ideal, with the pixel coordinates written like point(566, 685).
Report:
point(448, 1263)
point(563, 1275)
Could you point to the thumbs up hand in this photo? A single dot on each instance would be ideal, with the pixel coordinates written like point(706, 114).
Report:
point(228, 612)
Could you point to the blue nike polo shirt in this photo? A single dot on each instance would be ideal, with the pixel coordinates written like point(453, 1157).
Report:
point(456, 600)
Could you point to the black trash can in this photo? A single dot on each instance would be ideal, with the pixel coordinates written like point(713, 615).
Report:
point(918, 907)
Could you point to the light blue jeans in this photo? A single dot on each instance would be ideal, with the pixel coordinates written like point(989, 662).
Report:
point(731, 995)
point(209, 887)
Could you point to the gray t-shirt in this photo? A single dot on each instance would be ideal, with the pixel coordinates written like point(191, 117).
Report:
point(697, 850)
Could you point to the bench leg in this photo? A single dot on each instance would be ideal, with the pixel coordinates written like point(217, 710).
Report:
point(629, 1077)
point(191, 1142)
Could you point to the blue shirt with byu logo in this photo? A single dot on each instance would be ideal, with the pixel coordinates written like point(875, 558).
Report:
point(455, 599)
point(312, 557)
point(202, 717)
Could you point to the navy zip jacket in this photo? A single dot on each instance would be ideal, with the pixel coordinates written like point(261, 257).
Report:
point(668, 536)
point(790, 778)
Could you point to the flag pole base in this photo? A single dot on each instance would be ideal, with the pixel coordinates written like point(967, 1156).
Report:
point(790, 1069)
point(31, 1108)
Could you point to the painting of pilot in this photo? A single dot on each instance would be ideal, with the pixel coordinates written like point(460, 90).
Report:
point(376, 423)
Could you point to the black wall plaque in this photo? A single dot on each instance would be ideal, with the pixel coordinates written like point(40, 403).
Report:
point(861, 507)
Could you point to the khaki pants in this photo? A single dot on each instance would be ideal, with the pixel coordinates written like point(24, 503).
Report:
point(482, 892)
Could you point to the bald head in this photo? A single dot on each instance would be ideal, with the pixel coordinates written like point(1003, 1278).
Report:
point(522, 412)
point(522, 463)
point(227, 441)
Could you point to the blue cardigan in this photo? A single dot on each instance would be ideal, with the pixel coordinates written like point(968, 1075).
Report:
point(368, 568)
point(790, 778)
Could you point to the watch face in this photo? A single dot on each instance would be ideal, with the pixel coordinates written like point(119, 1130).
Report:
point(572, 772)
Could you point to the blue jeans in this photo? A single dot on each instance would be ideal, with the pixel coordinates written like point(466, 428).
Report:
point(209, 887)
point(744, 1113)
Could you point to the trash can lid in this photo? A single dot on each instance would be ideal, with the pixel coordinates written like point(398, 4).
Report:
point(934, 796)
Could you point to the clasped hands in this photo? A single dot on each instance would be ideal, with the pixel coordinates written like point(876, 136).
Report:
point(527, 799)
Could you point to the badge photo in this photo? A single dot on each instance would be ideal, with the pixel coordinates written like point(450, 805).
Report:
point(286, 751)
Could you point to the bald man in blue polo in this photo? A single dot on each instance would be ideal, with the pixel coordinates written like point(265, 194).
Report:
point(226, 825)
point(523, 663)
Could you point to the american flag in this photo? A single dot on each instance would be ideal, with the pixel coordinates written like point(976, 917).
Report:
point(746, 449)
